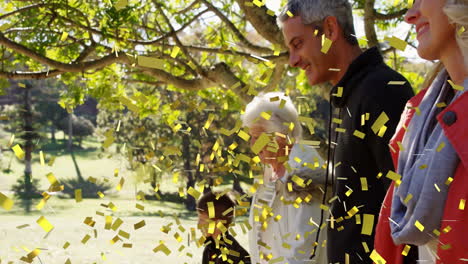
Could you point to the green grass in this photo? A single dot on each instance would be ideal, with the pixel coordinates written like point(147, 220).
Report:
point(68, 217)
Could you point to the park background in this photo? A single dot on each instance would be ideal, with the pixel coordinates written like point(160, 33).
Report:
point(136, 105)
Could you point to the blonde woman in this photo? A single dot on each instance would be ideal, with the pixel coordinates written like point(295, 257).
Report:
point(426, 208)
point(285, 210)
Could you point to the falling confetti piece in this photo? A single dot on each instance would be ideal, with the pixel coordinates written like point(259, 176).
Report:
point(45, 224)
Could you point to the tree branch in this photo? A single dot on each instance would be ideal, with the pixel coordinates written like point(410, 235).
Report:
point(249, 45)
point(273, 58)
point(23, 9)
point(72, 67)
point(277, 76)
point(369, 23)
point(192, 5)
point(144, 82)
point(263, 23)
point(30, 75)
point(380, 16)
point(199, 69)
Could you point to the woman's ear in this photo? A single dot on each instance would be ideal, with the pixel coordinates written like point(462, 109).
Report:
point(331, 28)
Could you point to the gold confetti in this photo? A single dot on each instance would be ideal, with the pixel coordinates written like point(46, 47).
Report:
point(6, 202)
point(260, 143)
point(175, 51)
point(242, 134)
point(64, 36)
point(419, 225)
point(66, 245)
point(18, 151)
point(393, 176)
point(163, 248)
point(209, 121)
point(121, 4)
point(406, 250)
point(461, 30)
point(408, 198)
point(289, 13)
point(139, 225)
point(85, 239)
point(108, 222)
point(368, 224)
point(150, 62)
point(194, 193)
point(461, 205)
point(41, 158)
point(124, 234)
point(45, 224)
point(211, 210)
point(449, 181)
point(380, 122)
point(396, 43)
point(120, 185)
point(440, 147)
point(353, 211)
point(326, 44)
point(338, 93)
point(359, 134)
point(377, 258)
point(78, 195)
point(455, 86)
point(364, 186)
point(51, 161)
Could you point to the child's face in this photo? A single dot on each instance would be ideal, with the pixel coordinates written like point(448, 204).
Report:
point(203, 224)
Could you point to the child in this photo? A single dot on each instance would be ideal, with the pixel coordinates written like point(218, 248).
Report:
point(215, 215)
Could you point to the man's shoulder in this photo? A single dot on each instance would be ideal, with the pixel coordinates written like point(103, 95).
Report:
point(382, 74)
point(384, 83)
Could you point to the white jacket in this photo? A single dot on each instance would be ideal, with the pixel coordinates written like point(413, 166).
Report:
point(280, 236)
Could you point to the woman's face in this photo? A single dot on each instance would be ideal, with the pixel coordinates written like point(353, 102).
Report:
point(277, 142)
point(436, 36)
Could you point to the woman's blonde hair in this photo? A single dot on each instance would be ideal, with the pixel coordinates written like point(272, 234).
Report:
point(457, 13)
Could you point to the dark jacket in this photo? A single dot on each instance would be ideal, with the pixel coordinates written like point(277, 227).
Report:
point(359, 156)
point(228, 245)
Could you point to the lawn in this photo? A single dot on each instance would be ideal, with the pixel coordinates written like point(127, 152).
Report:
point(68, 218)
point(20, 233)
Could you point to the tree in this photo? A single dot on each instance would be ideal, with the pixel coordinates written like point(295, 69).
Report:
point(23, 126)
point(81, 127)
point(104, 46)
point(225, 51)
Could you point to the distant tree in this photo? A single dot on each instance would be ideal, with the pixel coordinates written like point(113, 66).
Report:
point(81, 127)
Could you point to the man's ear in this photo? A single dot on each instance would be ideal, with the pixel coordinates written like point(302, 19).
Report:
point(331, 28)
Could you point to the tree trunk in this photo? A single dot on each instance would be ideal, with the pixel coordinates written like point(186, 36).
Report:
point(77, 168)
point(70, 132)
point(190, 202)
point(28, 129)
point(52, 134)
point(369, 24)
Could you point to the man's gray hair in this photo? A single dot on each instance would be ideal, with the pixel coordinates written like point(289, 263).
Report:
point(314, 11)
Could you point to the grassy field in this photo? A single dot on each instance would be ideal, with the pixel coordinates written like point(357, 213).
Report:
point(20, 233)
point(68, 218)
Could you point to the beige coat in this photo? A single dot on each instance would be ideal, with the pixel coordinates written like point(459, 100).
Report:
point(289, 239)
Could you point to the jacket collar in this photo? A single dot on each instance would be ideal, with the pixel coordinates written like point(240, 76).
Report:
point(370, 57)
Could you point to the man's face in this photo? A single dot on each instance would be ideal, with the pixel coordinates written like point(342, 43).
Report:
point(305, 43)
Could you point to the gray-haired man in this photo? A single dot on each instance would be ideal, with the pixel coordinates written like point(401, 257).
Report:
point(321, 41)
